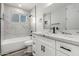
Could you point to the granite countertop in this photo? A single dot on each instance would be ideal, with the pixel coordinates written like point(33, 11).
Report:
point(71, 39)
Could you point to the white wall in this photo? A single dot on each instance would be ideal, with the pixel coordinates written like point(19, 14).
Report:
point(41, 8)
point(73, 17)
point(39, 15)
point(33, 19)
point(12, 29)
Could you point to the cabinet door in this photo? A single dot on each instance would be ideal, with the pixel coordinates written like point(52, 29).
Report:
point(43, 46)
point(49, 51)
point(46, 49)
point(36, 46)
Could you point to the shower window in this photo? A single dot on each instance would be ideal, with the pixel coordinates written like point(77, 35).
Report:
point(15, 18)
point(23, 18)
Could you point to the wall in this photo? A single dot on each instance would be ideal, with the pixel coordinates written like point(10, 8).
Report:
point(39, 17)
point(18, 29)
point(33, 27)
point(73, 17)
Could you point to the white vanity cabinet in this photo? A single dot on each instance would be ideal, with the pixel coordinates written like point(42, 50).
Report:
point(43, 46)
point(67, 49)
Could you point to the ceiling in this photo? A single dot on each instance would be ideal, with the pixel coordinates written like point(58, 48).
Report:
point(25, 6)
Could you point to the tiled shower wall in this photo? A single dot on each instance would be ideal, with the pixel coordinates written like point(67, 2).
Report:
point(15, 29)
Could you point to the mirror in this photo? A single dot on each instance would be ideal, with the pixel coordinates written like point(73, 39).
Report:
point(65, 16)
point(72, 15)
point(58, 16)
point(46, 18)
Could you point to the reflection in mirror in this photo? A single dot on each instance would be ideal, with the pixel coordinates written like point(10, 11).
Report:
point(58, 14)
point(46, 19)
point(67, 15)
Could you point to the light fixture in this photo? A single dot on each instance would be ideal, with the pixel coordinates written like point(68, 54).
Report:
point(49, 4)
point(19, 10)
point(19, 5)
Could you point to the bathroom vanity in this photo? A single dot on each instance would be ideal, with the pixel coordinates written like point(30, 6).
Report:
point(55, 45)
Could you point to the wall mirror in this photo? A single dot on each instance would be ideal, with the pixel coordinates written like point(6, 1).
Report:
point(67, 15)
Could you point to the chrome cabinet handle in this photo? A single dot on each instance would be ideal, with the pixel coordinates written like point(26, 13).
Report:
point(65, 48)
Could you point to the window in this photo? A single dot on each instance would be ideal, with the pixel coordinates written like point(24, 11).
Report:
point(23, 18)
point(15, 18)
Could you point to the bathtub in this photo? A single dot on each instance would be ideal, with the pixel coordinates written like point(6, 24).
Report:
point(10, 45)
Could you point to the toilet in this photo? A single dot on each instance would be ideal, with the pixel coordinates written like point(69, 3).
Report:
point(28, 45)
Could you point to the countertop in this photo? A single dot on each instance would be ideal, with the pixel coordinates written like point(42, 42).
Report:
point(71, 39)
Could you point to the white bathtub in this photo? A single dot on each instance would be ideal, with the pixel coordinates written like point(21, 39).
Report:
point(10, 45)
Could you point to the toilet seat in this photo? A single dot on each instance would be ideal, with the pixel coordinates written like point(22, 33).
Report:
point(28, 43)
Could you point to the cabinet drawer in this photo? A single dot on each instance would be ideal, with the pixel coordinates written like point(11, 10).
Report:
point(58, 53)
point(36, 48)
point(68, 49)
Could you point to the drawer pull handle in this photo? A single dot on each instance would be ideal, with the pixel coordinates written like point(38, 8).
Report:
point(65, 48)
